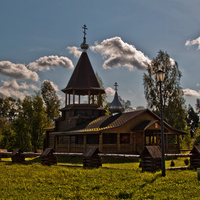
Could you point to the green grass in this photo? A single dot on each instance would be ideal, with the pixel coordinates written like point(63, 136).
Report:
point(120, 180)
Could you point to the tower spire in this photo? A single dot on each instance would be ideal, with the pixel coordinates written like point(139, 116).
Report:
point(116, 86)
point(116, 106)
point(84, 45)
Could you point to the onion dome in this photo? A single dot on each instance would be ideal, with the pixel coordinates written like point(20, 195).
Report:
point(116, 106)
point(84, 45)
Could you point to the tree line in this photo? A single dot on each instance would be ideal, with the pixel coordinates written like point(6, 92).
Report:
point(22, 122)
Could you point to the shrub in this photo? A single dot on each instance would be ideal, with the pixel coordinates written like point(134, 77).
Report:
point(172, 164)
point(186, 161)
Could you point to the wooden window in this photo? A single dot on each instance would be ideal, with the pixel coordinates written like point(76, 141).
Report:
point(77, 139)
point(92, 139)
point(110, 138)
point(62, 139)
point(124, 138)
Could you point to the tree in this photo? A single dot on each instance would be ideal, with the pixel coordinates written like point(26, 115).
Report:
point(198, 106)
point(126, 104)
point(8, 108)
point(173, 101)
point(196, 140)
point(39, 122)
point(22, 125)
point(51, 100)
point(192, 119)
point(104, 96)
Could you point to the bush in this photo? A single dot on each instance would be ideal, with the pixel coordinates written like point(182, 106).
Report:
point(172, 164)
point(186, 161)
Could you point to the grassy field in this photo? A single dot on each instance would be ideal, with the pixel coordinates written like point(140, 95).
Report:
point(118, 180)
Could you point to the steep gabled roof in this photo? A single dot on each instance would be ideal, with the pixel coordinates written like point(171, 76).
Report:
point(83, 76)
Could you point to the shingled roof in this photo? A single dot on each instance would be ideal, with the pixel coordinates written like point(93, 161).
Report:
point(83, 76)
point(115, 121)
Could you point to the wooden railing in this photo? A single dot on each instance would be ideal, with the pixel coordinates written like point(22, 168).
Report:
point(49, 157)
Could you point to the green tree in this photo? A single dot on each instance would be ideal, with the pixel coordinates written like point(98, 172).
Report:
point(126, 104)
point(104, 96)
point(192, 119)
point(8, 108)
point(39, 122)
point(173, 101)
point(198, 105)
point(22, 125)
point(51, 100)
point(196, 140)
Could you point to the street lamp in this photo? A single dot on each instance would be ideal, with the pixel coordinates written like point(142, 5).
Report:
point(160, 75)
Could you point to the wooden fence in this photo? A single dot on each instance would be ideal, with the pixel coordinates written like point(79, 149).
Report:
point(92, 157)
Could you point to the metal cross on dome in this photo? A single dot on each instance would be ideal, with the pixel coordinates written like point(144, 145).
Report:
point(84, 28)
point(116, 86)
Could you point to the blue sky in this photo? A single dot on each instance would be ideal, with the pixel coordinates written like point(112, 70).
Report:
point(39, 41)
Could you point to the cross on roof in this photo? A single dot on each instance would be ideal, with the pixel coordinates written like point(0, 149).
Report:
point(84, 30)
point(116, 86)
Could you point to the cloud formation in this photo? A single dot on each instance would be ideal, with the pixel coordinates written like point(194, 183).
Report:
point(17, 71)
point(189, 92)
point(110, 91)
point(12, 88)
point(44, 63)
point(193, 42)
point(120, 54)
point(75, 51)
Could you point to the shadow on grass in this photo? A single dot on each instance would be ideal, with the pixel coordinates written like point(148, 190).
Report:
point(151, 181)
point(124, 195)
point(79, 160)
point(119, 160)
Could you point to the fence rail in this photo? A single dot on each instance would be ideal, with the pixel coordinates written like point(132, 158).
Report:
point(57, 154)
point(92, 155)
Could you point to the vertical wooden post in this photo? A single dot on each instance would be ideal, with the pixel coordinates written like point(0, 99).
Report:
point(65, 99)
point(166, 143)
point(69, 143)
point(131, 142)
point(89, 94)
point(69, 99)
point(84, 142)
point(101, 142)
point(93, 99)
point(73, 96)
point(178, 142)
point(118, 142)
point(55, 142)
point(134, 143)
point(79, 99)
point(144, 139)
point(156, 137)
point(99, 100)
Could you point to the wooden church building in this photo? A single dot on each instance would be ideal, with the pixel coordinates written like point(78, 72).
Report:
point(84, 124)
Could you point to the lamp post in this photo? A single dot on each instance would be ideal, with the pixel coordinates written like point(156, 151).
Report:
point(160, 75)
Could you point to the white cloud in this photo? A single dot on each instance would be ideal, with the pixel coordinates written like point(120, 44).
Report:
point(120, 54)
point(44, 63)
point(75, 51)
point(189, 92)
point(172, 61)
point(193, 42)
point(15, 86)
point(110, 91)
point(17, 71)
point(12, 88)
